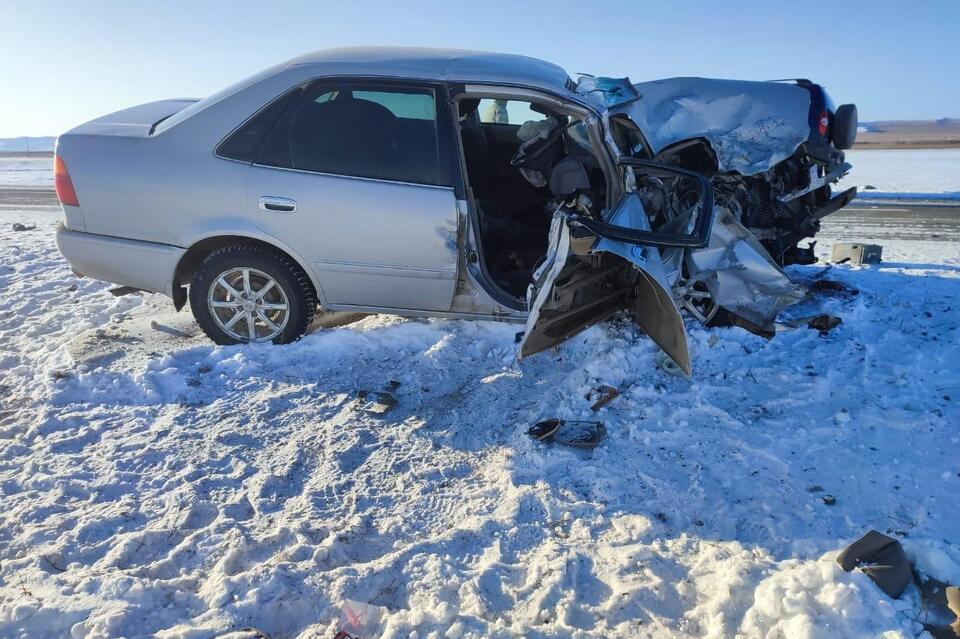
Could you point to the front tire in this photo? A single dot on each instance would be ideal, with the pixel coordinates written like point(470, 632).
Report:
point(245, 293)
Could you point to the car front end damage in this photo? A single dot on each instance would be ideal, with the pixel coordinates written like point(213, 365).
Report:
point(714, 202)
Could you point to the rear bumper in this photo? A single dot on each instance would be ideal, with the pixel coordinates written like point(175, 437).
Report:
point(144, 265)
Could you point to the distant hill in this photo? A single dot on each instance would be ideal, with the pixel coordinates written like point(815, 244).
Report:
point(27, 145)
point(909, 134)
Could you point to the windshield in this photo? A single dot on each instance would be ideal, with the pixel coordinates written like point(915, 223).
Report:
point(615, 91)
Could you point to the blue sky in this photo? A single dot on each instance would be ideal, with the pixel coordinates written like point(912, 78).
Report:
point(62, 63)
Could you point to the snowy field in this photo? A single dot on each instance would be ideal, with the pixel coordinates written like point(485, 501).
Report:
point(156, 485)
point(901, 173)
point(26, 171)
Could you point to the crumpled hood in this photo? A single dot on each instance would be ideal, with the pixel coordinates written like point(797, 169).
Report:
point(751, 125)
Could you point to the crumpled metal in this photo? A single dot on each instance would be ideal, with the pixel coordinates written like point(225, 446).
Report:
point(741, 275)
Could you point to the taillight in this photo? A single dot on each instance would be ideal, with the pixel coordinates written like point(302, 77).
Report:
point(63, 184)
point(824, 123)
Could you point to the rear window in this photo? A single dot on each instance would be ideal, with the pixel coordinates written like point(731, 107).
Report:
point(197, 107)
point(387, 133)
point(243, 143)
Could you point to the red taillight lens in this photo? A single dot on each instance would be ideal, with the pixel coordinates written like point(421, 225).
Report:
point(63, 184)
point(824, 123)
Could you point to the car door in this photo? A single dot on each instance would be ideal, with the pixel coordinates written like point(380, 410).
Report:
point(584, 280)
point(595, 268)
point(355, 176)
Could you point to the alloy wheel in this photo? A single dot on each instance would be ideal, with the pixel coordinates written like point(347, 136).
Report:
point(248, 304)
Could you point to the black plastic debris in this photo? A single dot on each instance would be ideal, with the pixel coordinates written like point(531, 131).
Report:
point(882, 559)
point(545, 429)
point(824, 323)
point(578, 434)
point(833, 288)
point(829, 500)
point(17, 226)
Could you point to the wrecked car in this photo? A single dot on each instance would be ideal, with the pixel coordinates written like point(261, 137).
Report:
point(457, 184)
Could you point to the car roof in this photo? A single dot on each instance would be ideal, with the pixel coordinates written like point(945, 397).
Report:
point(452, 65)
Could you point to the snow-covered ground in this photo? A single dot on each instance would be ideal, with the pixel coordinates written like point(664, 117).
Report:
point(903, 173)
point(26, 171)
point(156, 485)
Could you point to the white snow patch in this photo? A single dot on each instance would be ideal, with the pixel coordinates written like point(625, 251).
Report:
point(26, 172)
point(903, 172)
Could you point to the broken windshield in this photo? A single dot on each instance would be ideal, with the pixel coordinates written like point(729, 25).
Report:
point(615, 91)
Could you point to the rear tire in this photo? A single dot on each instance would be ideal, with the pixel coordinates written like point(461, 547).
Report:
point(244, 292)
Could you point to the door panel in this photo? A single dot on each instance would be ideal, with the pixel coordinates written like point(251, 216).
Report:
point(371, 242)
point(583, 280)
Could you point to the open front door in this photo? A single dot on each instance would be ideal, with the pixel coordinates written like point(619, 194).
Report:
point(570, 291)
point(584, 280)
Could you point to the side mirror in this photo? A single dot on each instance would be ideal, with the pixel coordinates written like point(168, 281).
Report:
point(567, 177)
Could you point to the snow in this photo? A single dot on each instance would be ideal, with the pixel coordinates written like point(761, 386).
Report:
point(903, 173)
point(23, 171)
point(156, 485)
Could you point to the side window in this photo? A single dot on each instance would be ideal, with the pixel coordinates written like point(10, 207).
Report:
point(515, 112)
point(387, 133)
point(242, 144)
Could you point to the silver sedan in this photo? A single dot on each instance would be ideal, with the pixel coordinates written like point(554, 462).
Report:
point(419, 182)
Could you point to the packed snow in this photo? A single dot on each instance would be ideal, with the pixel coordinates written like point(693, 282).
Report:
point(904, 173)
point(26, 171)
point(154, 484)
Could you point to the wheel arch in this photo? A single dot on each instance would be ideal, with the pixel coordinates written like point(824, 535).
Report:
point(202, 247)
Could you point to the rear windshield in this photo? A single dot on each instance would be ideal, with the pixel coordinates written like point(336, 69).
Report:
point(197, 107)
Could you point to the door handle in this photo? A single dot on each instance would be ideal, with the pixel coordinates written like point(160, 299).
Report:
point(273, 204)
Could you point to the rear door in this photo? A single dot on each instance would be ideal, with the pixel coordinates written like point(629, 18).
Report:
point(356, 177)
point(586, 278)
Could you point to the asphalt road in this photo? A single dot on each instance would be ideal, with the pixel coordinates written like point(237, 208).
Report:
point(26, 199)
point(896, 220)
point(867, 219)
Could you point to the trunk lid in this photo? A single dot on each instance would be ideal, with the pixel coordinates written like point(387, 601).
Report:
point(135, 122)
